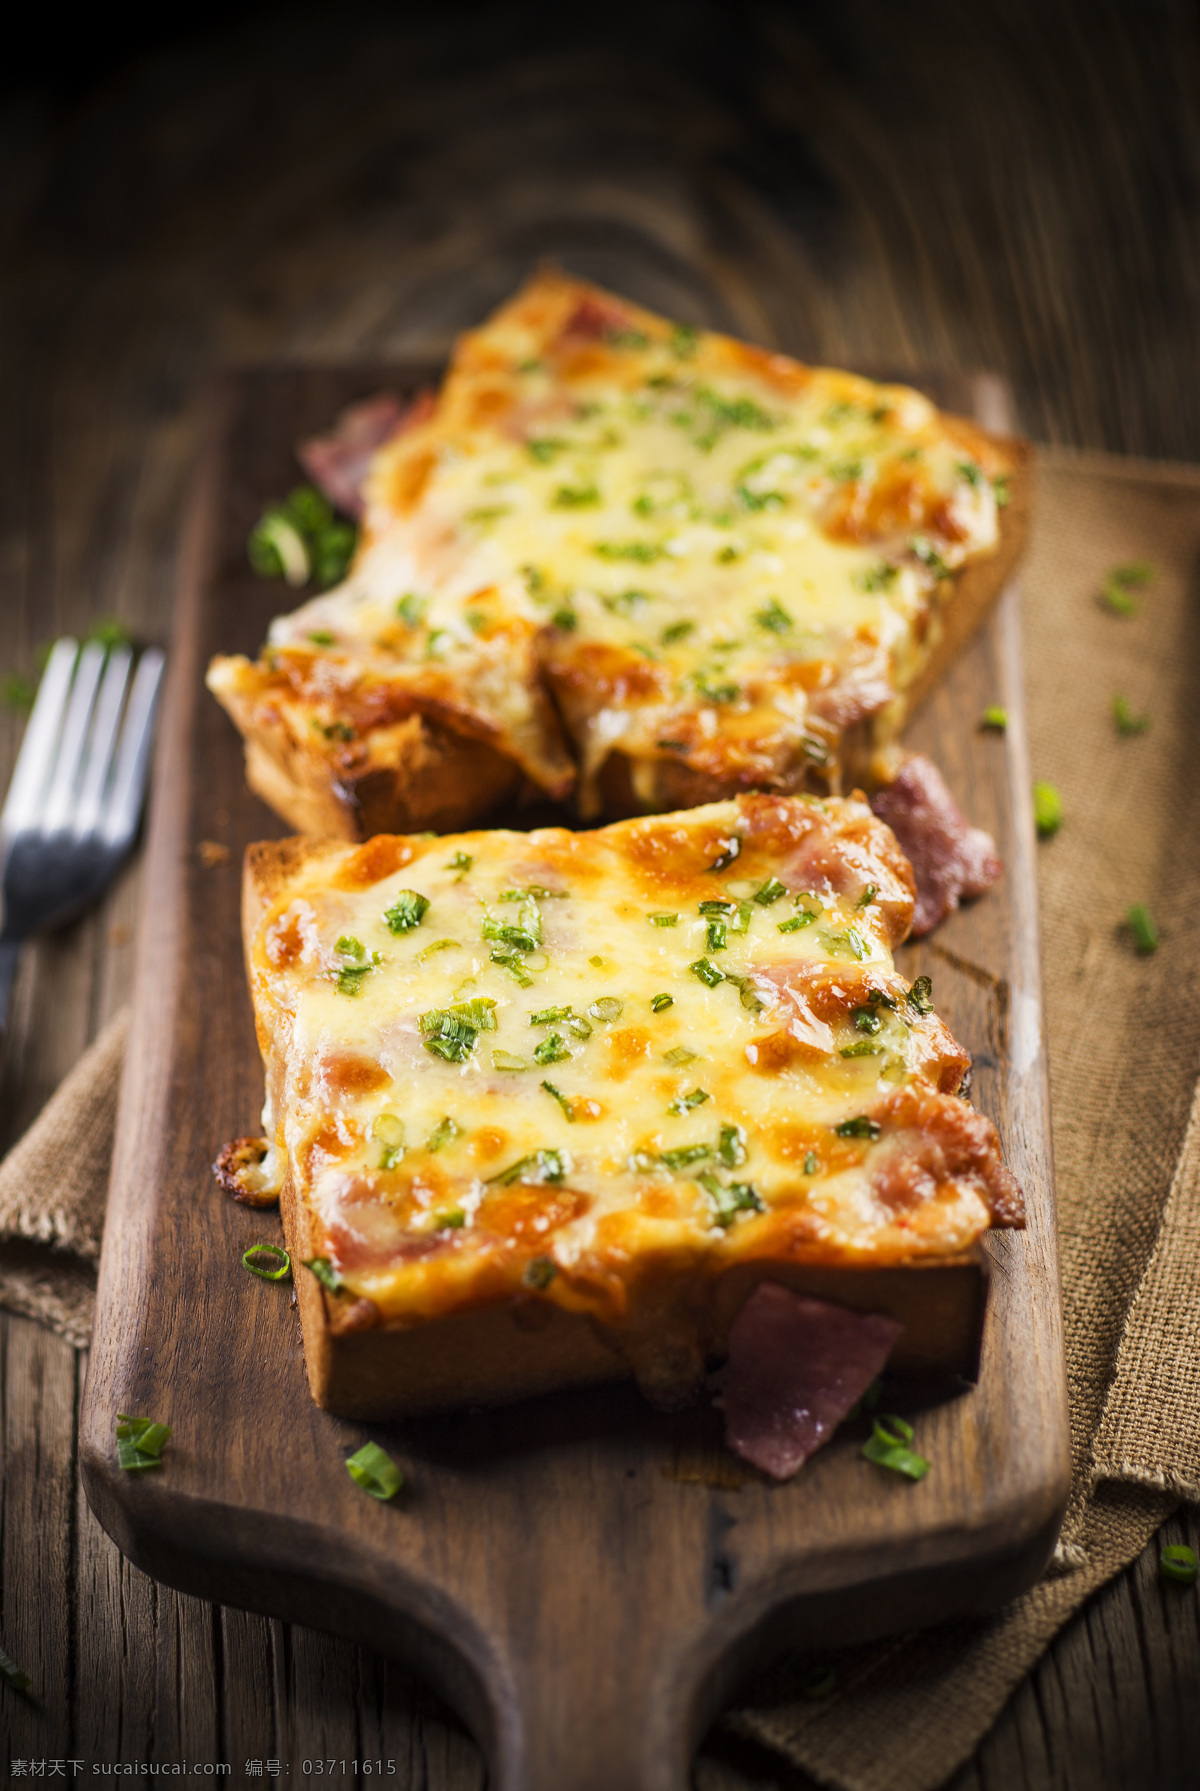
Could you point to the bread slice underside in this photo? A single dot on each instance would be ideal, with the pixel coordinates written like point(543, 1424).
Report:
point(648, 563)
point(544, 1108)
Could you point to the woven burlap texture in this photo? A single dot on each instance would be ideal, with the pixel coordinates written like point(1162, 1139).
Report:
point(1124, 1033)
point(1124, 1044)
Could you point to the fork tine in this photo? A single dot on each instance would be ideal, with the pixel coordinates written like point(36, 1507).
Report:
point(124, 804)
point(106, 719)
point(61, 793)
point(23, 806)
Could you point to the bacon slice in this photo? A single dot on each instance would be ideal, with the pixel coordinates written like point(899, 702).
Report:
point(337, 463)
point(950, 858)
point(796, 1366)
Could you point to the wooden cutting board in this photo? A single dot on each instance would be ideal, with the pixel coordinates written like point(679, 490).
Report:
point(586, 1579)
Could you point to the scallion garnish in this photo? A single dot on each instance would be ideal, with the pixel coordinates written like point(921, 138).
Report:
point(770, 892)
point(685, 1102)
point(1144, 931)
point(140, 1443)
point(994, 718)
point(280, 1261)
point(863, 1048)
point(557, 1094)
point(774, 618)
point(659, 1003)
point(540, 1272)
point(451, 1032)
point(920, 996)
point(1047, 809)
point(411, 609)
point(539, 1166)
point(407, 911)
point(1178, 1562)
point(888, 1447)
point(730, 1198)
point(858, 1127)
point(551, 1050)
point(811, 1163)
point(514, 964)
point(325, 1272)
point(732, 1146)
point(606, 1009)
point(442, 1134)
point(849, 943)
point(453, 1219)
point(12, 1674)
point(1119, 584)
point(680, 1055)
point(866, 1019)
point(663, 920)
point(796, 922)
point(505, 1060)
point(1127, 722)
point(867, 897)
point(375, 1471)
point(461, 862)
point(685, 1155)
point(708, 973)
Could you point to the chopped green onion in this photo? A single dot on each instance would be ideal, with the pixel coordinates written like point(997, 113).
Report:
point(774, 618)
point(770, 892)
point(505, 1060)
point(442, 1134)
point(994, 717)
point(811, 1163)
point(920, 995)
point(685, 1102)
point(863, 1048)
point(967, 469)
point(730, 848)
point(453, 1219)
point(846, 944)
point(325, 1272)
point(544, 449)
point(819, 1681)
point(887, 1447)
point(675, 631)
point(1178, 1562)
point(866, 1019)
point(1047, 809)
point(1144, 931)
point(451, 1032)
point(732, 1146)
point(708, 973)
point(278, 1256)
point(683, 341)
point(1135, 572)
point(407, 911)
point(797, 922)
point(1115, 597)
point(12, 1674)
point(663, 920)
point(461, 862)
point(858, 1127)
point(922, 548)
point(435, 946)
point(350, 948)
point(551, 1050)
point(644, 552)
point(375, 1471)
point(565, 618)
point(140, 1443)
point(876, 578)
point(731, 1198)
point(540, 1166)
point(659, 1003)
point(679, 1056)
point(540, 1272)
point(575, 497)
point(867, 897)
point(717, 935)
point(597, 962)
point(868, 1402)
point(557, 1095)
point(607, 1009)
point(321, 637)
point(411, 609)
point(515, 965)
point(686, 1155)
point(1127, 722)
point(751, 999)
point(391, 1156)
point(1118, 583)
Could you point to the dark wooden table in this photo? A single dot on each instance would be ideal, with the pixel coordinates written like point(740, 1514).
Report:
point(1015, 186)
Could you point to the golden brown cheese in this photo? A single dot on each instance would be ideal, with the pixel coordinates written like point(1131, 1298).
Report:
point(577, 1067)
point(719, 561)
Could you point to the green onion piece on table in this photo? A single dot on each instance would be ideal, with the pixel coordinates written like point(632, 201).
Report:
point(1144, 931)
point(1047, 809)
point(280, 1263)
point(375, 1471)
point(888, 1447)
point(994, 718)
point(12, 1674)
point(140, 1443)
point(1178, 1562)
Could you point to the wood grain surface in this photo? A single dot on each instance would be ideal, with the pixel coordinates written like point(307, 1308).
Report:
point(860, 183)
point(587, 1579)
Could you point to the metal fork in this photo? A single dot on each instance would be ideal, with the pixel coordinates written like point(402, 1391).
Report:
point(76, 795)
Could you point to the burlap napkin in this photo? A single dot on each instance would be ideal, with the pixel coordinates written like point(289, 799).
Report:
point(1124, 1031)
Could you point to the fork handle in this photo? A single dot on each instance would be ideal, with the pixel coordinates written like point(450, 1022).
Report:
point(10, 952)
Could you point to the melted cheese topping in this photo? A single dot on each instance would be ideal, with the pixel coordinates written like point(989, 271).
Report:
point(713, 539)
point(557, 1064)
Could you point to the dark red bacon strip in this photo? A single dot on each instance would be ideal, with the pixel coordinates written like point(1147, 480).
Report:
point(950, 858)
point(337, 463)
point(796, 1366)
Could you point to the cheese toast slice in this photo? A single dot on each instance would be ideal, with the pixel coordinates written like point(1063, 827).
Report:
point(545, 1108)
point(727, 570)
